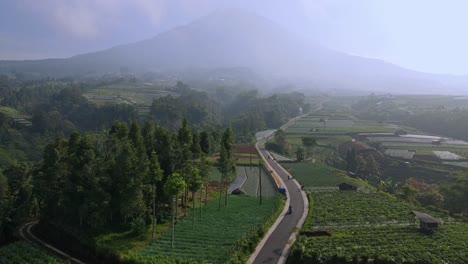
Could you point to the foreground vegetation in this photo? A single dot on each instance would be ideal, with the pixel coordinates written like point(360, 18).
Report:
point(384, 244)
point(374, 227)
point(226, 236)
point(23, 252)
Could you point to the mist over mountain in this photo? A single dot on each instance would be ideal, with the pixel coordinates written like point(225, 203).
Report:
point(239, 39)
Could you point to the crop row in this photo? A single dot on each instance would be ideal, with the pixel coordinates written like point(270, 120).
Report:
point(393, 243)
point(23, 252)
point(335, 208)
point(212, 239)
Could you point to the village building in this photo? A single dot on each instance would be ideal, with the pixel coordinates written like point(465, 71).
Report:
point(427, 223)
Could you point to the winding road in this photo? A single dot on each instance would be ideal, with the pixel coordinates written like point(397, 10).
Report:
point(275, 246)
point(26, 234)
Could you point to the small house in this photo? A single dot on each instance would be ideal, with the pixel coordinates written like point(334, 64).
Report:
point(427, 223)
point(346, 187)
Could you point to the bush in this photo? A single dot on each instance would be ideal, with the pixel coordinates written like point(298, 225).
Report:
point(138, 226)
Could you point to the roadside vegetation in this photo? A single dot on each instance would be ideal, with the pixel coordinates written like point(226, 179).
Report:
point(23, 252)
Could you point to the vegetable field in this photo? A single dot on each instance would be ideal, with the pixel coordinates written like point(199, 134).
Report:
point(374, 228)
point(251, 185)
point(386, 244)
point(348, 208)
point(23, 252)
point(338, 125)
point(318, 175)
point(219, 234)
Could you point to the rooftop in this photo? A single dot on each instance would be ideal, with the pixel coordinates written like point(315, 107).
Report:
point(423, 217)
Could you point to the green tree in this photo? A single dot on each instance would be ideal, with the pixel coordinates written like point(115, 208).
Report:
point(300, 153)
point(155, 176)
point(227, 162)
point(195, 182)
point(195, 147)
point(205, 170)
point(205, 142)
point(309, 143)
point(174, 186)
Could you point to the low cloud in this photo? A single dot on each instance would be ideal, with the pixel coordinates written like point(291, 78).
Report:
point(87, 19)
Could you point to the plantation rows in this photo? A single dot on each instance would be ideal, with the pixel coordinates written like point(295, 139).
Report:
point(213, 238)
point(391, 243)
point(337, 208)
point(23, 252)
point(318, 175)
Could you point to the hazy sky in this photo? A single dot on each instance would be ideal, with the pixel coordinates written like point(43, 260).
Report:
point(426, 35)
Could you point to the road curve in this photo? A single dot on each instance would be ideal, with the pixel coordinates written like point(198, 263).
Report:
point(275, 247)
point(26, 234)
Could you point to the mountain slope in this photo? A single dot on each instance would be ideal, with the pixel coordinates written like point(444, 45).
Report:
point(236, 38)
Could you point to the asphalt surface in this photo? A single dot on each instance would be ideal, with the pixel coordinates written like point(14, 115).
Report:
point(26, 234)
point(273, 248)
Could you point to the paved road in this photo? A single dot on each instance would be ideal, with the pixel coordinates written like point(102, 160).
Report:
point(273, 248)
point(26, 234)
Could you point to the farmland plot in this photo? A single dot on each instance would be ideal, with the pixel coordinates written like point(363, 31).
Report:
point(213, 238)
point(23, 252)
point(385, 244)
point(364, 226)
point(349, 208)
point(318, 175)
point(249, 177)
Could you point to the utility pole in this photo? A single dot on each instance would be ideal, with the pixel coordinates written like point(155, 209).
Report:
point(173, 219)
point(154, 211)
point(250, 152)
point(260, 179)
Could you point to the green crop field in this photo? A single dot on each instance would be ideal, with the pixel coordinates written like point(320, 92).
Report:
point(322, 140)
point(385, 244)
point(319, 175)
point(343, 208)
point(375, 228)
point(215, 174)
point(336, 125)
point(216, 237)
point(8, 110)
point(251, 185)
point(24, 252)
point(137, 93)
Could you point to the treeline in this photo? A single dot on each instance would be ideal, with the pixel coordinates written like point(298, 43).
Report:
point(125, 178)
point(450, 123)
point(380, 109)
point(58, 107)
point(53, 108)
point(114, 181)
point(246, 111)
point(17, 203)
point(437, 119)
